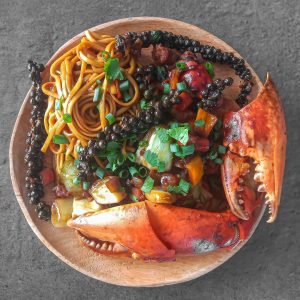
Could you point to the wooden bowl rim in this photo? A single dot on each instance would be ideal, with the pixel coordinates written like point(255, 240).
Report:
point(17, 190)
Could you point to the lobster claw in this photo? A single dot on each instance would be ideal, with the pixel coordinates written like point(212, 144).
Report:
point(157, 231)
point(257, 131)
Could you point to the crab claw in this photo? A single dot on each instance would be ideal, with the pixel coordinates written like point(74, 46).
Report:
point(156, 231)
point(241, 198)
point(258, 131)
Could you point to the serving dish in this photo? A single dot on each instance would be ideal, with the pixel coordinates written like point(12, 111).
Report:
point(63, 242)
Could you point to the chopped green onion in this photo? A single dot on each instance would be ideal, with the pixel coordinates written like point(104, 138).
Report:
point(144, 104)
point(78, 148)
point(184, 186)
point(85, 185)
point(97, 94)
point(218, 161)
point(221, 149)
point(60, 139)
point(98, 81)
point(210, 69)
point(181, 65)
point(143, 143)
point(67, 118)
point(181, 86)
point(148, 185)
point(143, 172)
point(174, 125)
point(199, 123)
point(161, 166)
point(126, 96)
point(131, 157)
point(188, 149)
point(212, 155)
point(58, 103)
point(100, 172)
point(121, 159)
point(174, 189)
point(133, 171)
point(76, 180)
point(134, 198)
point(110, 118)
point(106, 56)
point(161, 72)
point(174, 148)
point(167, 88)
point(124, 86)
point(76, 162)
point(124, 174)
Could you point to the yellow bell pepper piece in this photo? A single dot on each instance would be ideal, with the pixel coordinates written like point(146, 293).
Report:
point(195, 170)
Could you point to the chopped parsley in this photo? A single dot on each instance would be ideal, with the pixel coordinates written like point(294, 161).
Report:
point(162, 134)
point(148, 185)
point(112, 69)
point(151, 158)
point(183, 188)
point(180, 134)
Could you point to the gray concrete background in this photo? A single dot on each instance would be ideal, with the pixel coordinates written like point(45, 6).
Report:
point(266, 33)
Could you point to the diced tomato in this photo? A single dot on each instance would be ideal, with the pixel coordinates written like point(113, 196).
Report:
point(47, 176)
point(186, 101)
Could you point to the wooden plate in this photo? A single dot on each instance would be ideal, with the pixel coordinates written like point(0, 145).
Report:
point(63, 242)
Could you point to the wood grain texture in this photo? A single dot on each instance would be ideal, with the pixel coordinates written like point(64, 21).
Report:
point(63, 242)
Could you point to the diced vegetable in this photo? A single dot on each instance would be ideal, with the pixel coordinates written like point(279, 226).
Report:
point(209, 119)
point(67, 175)
point(83, 206)
point(47, 176)
point(156, 150)
point(61, 212)
point(107, 190)
point(148, 185)
point(174, 79)
point(195, 170)
point(160, 196)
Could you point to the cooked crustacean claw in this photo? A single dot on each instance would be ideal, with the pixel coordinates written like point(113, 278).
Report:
point(156, 231)
point(257, 131)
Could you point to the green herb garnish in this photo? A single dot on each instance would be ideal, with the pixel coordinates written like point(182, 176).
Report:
point(199, 123)
point(67, 118)
point(162, 134)
point(161, 166)
point(180, 134)
point(181, 65)
point(60, 139)
point(210, 69)
point(221, 149)
point(112, 69)
point(110, 118)
point(144, 104)
point(183, 188)
point(100, 173)
point(151, 158)
point(148, 185)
